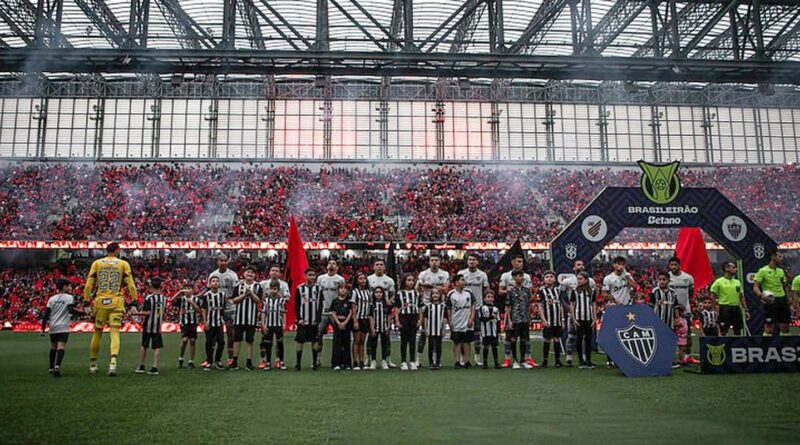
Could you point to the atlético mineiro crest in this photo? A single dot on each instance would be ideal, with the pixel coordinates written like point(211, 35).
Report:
point(639, 342)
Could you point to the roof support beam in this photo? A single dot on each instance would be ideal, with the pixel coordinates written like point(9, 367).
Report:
point(139, 21)
point(48, 23)
point(391, 34)
point(786, 43)
point(408, 24)
point(104, 19)
point(252, 27)
point(373, 63)
point(285, 23)
point(541, 22)
point(615, 21)
point(496, 28)
point(358, 25)
point(228, 24)
point(188, 32)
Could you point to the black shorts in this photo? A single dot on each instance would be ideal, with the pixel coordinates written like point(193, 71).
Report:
point(489, 341)
point(306, 334)
point(711, 332)
point(461, 337)
point(243, 332)
point(189, 331)
point(152, 341)
point(551, 332)
point(61, 337)
point(777, 312)
point(521, 330)
point(730, 316)
point(363, 325)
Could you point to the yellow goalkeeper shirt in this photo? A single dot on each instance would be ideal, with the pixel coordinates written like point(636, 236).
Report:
point(109, 274)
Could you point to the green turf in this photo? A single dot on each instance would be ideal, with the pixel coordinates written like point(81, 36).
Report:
point(449, 406)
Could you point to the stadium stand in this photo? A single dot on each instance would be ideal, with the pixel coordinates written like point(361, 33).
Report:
point(213, 202)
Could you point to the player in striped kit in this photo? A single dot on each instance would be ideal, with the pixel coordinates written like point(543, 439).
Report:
point(551, 310)
point(477, 282)
point(285, 292)
point(380, 314)
point(429, 278)
point(308, 312)
point(273, 319)
point(568, 284)
point(153, 309)
point(664, 300)
point(227, 283)
point(187, 315)
point(583, 308)
point(432, 319)
point(362, 302)
point(380, 279)
point(248, 296)
point(60, 307)
point(709, 319)
point(489, 317)
point(212, 304)
point(406, 316)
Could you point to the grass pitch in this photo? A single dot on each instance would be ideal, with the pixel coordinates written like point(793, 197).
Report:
point(449, 406)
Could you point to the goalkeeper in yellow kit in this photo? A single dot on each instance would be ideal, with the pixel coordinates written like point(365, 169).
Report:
point(109, 274)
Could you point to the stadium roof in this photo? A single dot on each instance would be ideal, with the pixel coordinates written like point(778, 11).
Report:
point(706, 40)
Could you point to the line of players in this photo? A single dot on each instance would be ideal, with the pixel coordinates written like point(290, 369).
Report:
point(238, 308)
point(362, 315)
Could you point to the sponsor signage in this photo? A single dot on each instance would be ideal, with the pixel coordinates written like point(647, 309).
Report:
point(731, 355)
point(660, 202)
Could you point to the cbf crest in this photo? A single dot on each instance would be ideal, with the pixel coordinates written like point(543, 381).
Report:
point(571, 251)
point(639, 342)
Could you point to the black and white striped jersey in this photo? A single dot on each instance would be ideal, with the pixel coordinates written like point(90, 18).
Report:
point(380, 314)
point(274, 312)
point(434, 316)
point(709, 319)
point(551, 302)
point(214, 305)
point(187, 314)
point(308, 303)
point(362, 300)
point(488, 316)
point(156, 305)
point(583, 301)
point(664, 301)
point(408, 302)
point(247, 309)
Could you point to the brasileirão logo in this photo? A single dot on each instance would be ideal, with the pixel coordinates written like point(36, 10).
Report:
point(660, 182)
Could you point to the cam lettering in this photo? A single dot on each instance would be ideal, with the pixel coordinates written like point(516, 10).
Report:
point(630, 335)
point(765, 355)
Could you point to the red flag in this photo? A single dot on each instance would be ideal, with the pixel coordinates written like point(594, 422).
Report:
point(296, 265)
point(691, 250)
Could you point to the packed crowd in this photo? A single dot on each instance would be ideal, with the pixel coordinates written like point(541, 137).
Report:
point(209, 202)
point(25, 290)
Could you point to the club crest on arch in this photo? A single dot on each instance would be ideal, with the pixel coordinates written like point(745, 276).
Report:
point(660, 182)
point(639, 342)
